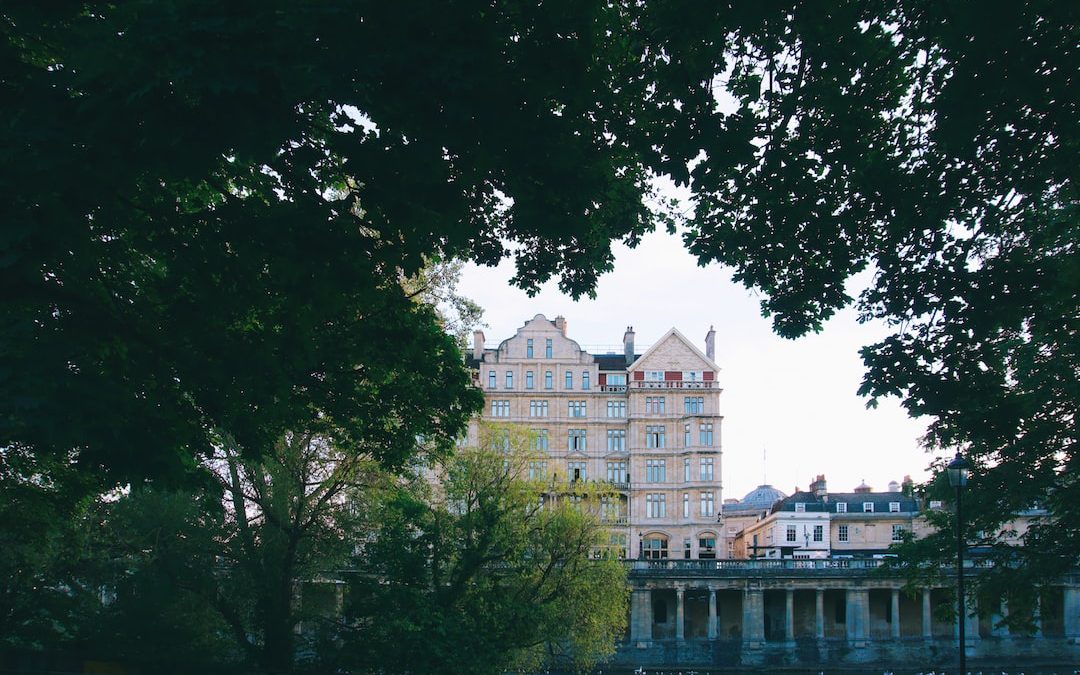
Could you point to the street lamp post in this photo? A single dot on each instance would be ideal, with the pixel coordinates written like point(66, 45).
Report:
point(958, 471)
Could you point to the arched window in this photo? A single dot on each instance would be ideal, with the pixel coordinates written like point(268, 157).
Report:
point(656, 547)
point(706, 545)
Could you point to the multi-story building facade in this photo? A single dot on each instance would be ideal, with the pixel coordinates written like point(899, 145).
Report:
point(818, 523)
point(647, 424)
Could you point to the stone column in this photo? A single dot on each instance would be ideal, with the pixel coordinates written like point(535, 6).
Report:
point(753, 626)
point(895, 613)
point(641, 616)
point(971, 626)
point(858, 614)
point(1072, 612)
point(712, 613)
point(819, 616)
point(679, 620)
point(927, 618)
point(1037, 614)
point(1002, 614)
point(789, 615)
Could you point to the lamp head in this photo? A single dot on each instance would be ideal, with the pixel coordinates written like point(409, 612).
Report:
point(958, 471)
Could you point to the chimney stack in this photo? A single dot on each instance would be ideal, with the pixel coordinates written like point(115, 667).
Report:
point(907, 486)
point(560, 323)
point(710, 344)
point(628, 344)
point(478, 344)
point(818, 487)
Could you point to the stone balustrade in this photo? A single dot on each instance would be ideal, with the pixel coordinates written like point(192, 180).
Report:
point(809, 613)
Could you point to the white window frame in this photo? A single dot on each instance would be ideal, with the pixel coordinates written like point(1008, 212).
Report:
point(655, 505)
point(841, 507)
point(868, 507)
point(656, 471)
point(537, 469)
point(707, 504)
point(655, 436)
point(705, 434)
point(705, 468)
point(618, 408)
point(894, 507)
point(616, 472)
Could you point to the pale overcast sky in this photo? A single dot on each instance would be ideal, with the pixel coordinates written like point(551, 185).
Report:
point(794, 399)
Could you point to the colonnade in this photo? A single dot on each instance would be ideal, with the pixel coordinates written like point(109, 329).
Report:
point(852, 621)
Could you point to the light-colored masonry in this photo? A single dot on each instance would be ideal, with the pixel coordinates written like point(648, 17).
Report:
point(769, 579)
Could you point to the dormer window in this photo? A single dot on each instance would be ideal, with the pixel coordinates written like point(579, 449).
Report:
point(868, 507)
point(841, 507)
point(894, 507)
point(800, 507)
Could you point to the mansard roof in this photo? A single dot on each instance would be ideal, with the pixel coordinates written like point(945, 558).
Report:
point(612, 361)
point(854, 501)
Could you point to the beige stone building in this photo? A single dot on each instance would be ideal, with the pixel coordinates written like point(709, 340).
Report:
point(646, 424)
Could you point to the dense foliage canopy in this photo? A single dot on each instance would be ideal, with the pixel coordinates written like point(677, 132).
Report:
point(208, 208)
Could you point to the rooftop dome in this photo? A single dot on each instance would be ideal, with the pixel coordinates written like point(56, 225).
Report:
point(763, 496)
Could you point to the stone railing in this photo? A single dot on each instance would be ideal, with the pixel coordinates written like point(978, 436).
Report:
point(674, 384)
point(723, 567)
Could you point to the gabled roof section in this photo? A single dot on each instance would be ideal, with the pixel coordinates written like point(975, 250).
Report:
point(673, 334)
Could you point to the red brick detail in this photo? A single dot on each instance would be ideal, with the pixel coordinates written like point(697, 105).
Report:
point(639, 375)
point(603, 380)
point(673, 375)
point(708, 376)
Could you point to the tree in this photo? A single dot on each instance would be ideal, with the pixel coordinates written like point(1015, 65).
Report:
point(207, 209)
point(485, 572)
point(249, 177)
point(216, 578)
point(934, 145)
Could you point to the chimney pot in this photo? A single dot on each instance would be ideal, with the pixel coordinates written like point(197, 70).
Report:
point(478, 344)
point(628, 344)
